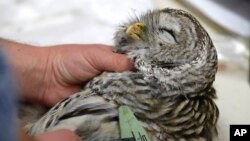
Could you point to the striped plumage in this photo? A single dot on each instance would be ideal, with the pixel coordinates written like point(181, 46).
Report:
point(170, 92)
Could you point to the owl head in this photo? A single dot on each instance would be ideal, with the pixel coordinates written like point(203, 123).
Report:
point(167, 37)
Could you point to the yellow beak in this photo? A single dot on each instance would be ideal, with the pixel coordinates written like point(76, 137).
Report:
point(135, 31)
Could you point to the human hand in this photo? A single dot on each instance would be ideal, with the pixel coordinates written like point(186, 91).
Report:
point(58, 135)
point(69, 66)
point(48, 75)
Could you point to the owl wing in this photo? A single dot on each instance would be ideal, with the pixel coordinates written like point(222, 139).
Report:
point(86, 113)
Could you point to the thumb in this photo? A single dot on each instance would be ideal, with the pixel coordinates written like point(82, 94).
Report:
point(115, 62)
point(58, 135)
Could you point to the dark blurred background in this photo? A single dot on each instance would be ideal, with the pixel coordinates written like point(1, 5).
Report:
point(241, 7)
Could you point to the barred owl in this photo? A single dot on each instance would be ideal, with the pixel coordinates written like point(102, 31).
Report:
point(170, 92)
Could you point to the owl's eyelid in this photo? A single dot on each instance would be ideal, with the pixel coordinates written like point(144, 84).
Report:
point(171, 32)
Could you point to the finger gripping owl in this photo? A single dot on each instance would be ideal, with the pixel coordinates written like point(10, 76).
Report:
point(170, 92)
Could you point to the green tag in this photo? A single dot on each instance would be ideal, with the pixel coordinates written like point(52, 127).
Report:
point(130, 127)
